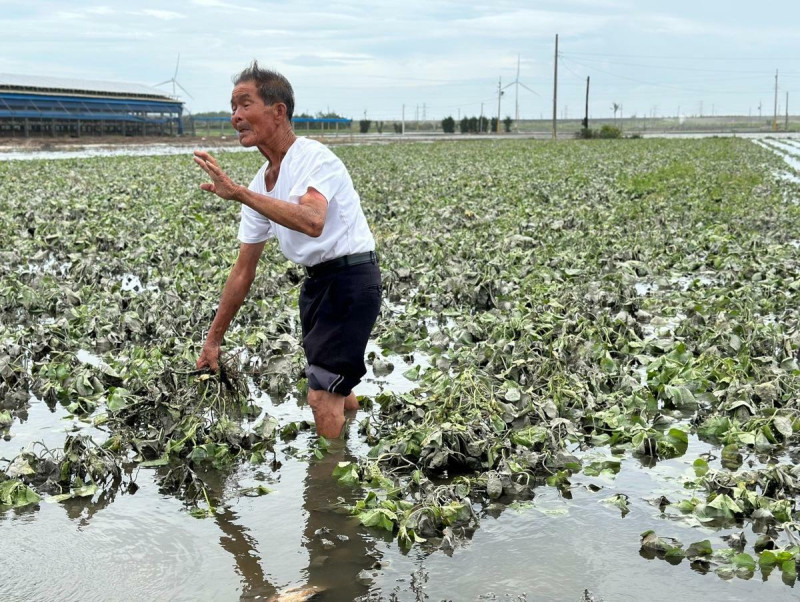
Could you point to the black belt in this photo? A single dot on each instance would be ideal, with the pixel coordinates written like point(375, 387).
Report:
point(326, 267)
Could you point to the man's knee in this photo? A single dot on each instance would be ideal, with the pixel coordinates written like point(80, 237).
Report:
point(320, 379)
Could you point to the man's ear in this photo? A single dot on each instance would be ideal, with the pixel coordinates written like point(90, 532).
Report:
point(280, 111)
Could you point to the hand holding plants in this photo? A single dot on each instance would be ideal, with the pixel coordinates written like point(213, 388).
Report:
point(209, 357)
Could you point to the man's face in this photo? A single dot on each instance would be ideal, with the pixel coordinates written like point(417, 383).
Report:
point(254, 120)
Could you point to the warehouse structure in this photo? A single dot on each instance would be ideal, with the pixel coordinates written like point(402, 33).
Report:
point(32, 106)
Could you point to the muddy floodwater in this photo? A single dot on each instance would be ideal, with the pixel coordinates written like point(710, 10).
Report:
point(283, 525)
point(140, 545)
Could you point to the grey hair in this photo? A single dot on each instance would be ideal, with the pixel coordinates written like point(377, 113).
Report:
point(272, 86)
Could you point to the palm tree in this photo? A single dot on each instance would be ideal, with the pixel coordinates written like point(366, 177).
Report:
point(615, 107)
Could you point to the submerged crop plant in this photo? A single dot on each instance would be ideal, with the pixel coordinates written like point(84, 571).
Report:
point(577, 305)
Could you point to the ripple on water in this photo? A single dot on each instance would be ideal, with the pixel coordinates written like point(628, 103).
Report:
point(138, 548)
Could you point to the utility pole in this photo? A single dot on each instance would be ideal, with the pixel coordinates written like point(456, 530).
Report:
point(786, 123)
point(499, 96)
point(516, 97)
point(775, 113)
point(555, 87)
point(586, 114)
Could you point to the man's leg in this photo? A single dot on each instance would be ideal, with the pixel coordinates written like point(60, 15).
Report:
point(328, 411)
point(350, 402)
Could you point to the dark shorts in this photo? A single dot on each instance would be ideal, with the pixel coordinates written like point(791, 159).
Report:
point(337, 313)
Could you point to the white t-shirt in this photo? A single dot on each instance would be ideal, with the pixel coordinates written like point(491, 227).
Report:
point(309, 163)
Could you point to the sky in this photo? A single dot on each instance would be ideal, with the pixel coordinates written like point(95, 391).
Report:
point(428, 58)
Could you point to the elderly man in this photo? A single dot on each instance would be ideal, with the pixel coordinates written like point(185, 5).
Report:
point(304, 197)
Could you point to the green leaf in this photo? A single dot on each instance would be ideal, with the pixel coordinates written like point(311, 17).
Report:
point(699, 548)
point(162, 461)
point(619, 500)
point(767, 559)
point(266, 428)
point(84, 491)
point(724, 506)
point(378, 517)
point(347, 473)
point(700, 467)
point(412, 373)
point(16, 494)
point(680, 396)
point(256, 491)
point(607, 468)
point(118, 399)
point(744, 561)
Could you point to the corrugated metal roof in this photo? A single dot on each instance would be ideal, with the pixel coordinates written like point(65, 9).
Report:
point(83, 85)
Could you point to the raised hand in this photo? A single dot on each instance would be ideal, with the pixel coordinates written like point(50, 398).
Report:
point(221, 184)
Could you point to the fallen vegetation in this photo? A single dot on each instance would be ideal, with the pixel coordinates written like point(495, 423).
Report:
point(577, 304)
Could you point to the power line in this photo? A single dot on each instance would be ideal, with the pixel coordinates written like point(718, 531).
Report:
point(684, 58)
point(658, 84)
point(661, 66)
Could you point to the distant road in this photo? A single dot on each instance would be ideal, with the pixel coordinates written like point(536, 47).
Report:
point(63, 148)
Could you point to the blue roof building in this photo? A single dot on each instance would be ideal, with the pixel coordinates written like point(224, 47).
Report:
point(32, 106)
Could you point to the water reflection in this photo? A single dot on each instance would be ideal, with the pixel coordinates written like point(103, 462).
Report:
point(242, 546)
point(338, 550)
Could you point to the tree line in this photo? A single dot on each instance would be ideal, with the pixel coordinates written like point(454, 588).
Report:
point(474, 125)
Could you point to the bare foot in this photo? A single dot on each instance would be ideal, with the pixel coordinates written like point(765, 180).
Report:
point(297, 594)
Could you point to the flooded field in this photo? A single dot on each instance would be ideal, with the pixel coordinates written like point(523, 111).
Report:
point(583, 384)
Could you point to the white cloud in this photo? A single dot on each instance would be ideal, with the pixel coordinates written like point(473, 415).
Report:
point(527, 24)
point(379, 54)
point(100, 10)
point(264, 33)
point(669, 25)
point(220, 4)
point(164, 15)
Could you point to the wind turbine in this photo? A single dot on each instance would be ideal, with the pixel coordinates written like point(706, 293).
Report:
point(517, 84)
point(175, 82)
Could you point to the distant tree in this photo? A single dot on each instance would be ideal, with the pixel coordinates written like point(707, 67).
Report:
point(615, 107)
point(473, 125)
point(379, 126)
point(507, 123)
point(494, 124)
point(448, 125)
point(483, 125)
point(398, 128)
point(363, 125)
point(609, 131)
point(463, 125)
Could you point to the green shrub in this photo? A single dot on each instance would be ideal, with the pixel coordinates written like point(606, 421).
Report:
point(609, 131)
point(363, 125)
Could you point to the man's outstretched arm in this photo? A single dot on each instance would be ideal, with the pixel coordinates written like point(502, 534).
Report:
point(233, 295)
point(307, 216)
